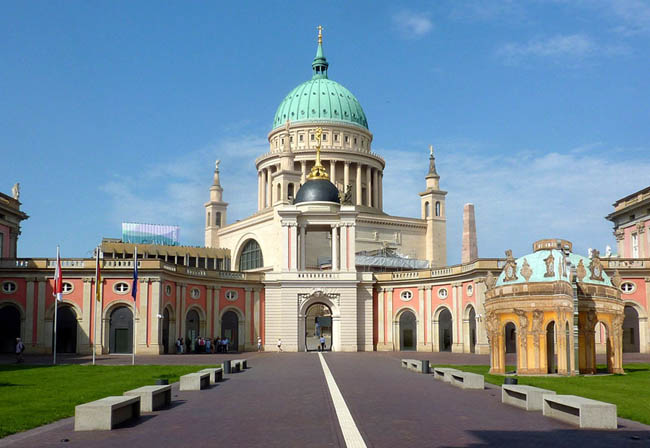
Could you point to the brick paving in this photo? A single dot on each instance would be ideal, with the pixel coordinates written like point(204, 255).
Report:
point(283, 401)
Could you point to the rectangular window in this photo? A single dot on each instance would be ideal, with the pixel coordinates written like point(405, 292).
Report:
point(313, 137)
point(336, 137)
point(2, 242)
point(324, 137)
point(635, 246)
point(347, 139)
point(301, 137)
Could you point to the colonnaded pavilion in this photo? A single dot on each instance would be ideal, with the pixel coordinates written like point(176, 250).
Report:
point(320, 255)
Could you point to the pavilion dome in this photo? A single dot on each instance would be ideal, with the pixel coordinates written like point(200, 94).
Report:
point(320, 100)
point(548, 264)
point(317, 190)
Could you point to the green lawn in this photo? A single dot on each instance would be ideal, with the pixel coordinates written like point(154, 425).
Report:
point(630, 392)
point(32, 396)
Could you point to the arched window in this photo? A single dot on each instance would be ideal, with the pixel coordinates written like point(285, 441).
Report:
point(290, 192)
point(427, 209)
point(218, 219)
point(438, 208)
point(251, 256)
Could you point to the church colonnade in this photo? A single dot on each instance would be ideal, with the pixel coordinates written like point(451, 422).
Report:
point(342, 246)
point(365, 180)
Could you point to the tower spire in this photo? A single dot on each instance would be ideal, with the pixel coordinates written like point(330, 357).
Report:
point(318, 171)
point(432, 164)
point(320, 64)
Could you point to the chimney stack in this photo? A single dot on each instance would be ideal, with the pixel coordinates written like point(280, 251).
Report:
point(470, 247)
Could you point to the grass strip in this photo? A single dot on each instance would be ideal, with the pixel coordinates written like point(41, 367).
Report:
point(32, 396)
point(630, 393)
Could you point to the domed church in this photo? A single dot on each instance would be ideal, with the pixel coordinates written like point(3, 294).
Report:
point(320, 206)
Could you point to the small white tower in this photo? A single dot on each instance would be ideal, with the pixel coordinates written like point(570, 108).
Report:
point(433, 211)
point(215, 211)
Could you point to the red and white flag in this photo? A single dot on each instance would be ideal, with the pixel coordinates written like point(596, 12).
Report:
point(58, 280)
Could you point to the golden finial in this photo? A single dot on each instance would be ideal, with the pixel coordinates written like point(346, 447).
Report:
point(320, 34)
point(318, 171)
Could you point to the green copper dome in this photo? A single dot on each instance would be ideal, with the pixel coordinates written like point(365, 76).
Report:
point(320, 99)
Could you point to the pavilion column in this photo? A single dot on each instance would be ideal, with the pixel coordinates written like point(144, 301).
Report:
point(335, 252)
point(346, 176)
point(359, 199)
point(303, 247)
point(368, 186)
point(303, 171)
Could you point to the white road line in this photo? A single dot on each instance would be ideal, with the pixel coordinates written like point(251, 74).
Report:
point(349, 429)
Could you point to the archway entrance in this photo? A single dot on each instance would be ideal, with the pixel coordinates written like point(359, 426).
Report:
point(510, 335)
point(191, 328)
point(121, 330)
point(165, 331)
point(230, 329)
point(66, 330)
point(9, 328)
point(318, 323)
point(445, 335)
point(472, 330)
point(551, 356)
point(631, 331)
point(407, 331)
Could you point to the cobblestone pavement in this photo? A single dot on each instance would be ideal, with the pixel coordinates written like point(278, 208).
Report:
point(283, 400)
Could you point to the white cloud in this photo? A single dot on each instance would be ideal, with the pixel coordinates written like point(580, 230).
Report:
point(571, 45)
point(412, 25)
point(174, 191)
point(519, 197)
point(634, 15)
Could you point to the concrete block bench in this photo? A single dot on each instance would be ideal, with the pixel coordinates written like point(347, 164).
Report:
point(580, 411)
point(242, 363)
point(444, 373)
point(195, 381)
point(152, 398)
point(420, 366)
point(216, 374)
point(467, 380)
point(106, 413)
point(525, 397)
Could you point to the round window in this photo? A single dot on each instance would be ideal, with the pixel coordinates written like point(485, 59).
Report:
point(67, 287)
point(121, 288)
point(406, 295)
point(442, 293)
point(231, 295)
point(628, 287)
point(470, 290)
point(9, 287)
point(195, 293)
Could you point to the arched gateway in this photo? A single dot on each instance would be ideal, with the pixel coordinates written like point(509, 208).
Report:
point(318, 323)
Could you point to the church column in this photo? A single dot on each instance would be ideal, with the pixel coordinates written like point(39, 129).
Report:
point(368, 186)
point(335, 243)
point(333, 171)
point(303, 247)
point(263, 189)
point(346, 176)
point(269, 188)
point(303, 171)
point(293, 233)
point(259, 190)
point(359, 199)
point(375, 190)
point(380, 186)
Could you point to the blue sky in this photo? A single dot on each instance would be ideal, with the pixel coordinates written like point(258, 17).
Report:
point(115, 111)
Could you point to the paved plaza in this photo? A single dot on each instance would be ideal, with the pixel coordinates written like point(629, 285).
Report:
point(284, 400)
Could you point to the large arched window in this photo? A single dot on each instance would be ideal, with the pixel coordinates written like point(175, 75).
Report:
point(251, 256)
point(437, 208)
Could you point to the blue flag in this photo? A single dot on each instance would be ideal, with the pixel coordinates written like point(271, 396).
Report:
point(134, 288)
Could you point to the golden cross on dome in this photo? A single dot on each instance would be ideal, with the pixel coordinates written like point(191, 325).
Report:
point(320, 34)
point(430, 149)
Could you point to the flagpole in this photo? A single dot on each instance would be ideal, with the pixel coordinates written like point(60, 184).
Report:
point(134, 290)
point(57, 270)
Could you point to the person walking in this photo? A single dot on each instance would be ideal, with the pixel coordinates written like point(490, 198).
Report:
point(20, 348)
point(259, 344)
point(226, 341)
point(279, 345)
point(322, 343)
